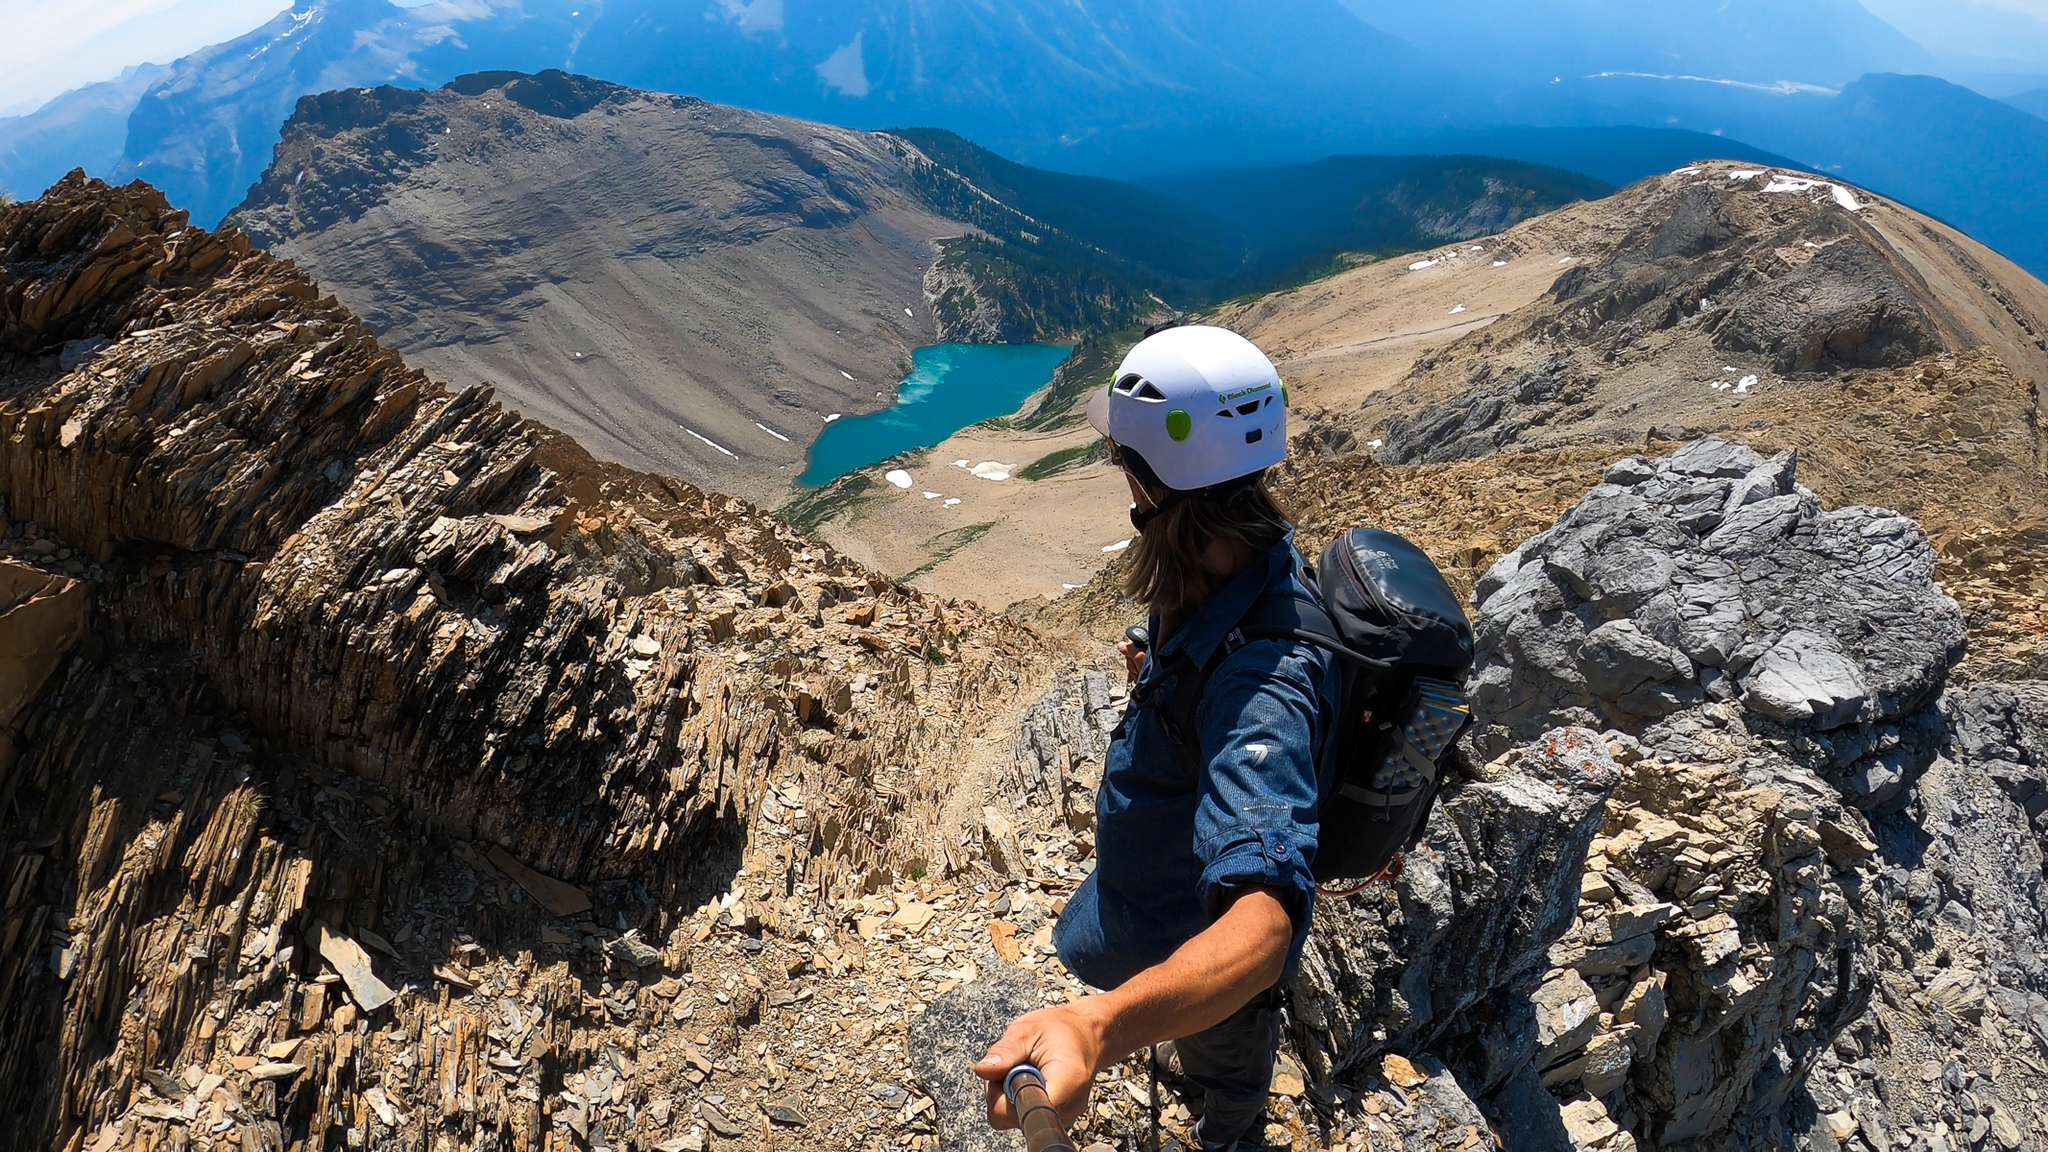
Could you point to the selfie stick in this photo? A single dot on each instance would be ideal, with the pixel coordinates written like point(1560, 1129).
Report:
point(1025, 1087)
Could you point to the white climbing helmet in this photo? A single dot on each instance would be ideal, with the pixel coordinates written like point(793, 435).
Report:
point(1200, 406)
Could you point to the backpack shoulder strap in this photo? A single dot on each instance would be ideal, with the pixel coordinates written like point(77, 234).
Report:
point(1288, 616)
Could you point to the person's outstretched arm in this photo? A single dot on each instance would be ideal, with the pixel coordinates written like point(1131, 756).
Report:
point(1241, 955)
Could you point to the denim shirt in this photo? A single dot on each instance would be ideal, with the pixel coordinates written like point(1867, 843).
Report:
point(1171, 850)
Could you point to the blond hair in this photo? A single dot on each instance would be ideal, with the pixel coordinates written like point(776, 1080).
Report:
point(1170, 570)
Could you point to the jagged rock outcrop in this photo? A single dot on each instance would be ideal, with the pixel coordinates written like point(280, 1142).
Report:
point(1722, 943)
point(41, 617)
point(1060, 746)
point(1816, 868)
point(369, 665)
point(1712, 577)
point(1955, 1050)
point(1399, 967)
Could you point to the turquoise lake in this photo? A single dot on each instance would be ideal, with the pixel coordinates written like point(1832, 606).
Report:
point(950, 387)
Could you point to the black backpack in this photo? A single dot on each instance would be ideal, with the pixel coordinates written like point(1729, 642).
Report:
point(1404, 646)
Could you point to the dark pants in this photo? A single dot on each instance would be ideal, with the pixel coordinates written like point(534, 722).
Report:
point(1233, 1065)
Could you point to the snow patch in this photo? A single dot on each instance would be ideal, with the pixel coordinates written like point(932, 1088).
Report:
point(932, 495)
point(1743, 388)
point(1072, 587)
point(1458, 309)
point(909, 313)
point(1846, 198)
point(900, 478)
point(771, 431)
point(954, 502)
point(845, 373)
point(1777, 88)
point(1118, 546)
point(713, 443)
point(1791, 184)
point(1500, 263)
point(832, 417)
point(1375, 444)
point(962, 464)
point(845, 71)
point(1686, 171)
point(1419, 265)
point(759, 16)
point(1747, 174)
point(990, 470)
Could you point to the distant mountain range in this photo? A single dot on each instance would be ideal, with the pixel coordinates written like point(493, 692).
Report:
point(84, 128)
point(1988, 46)
point(1167, 84)
point(1142, 88)
point(1974, 162)
point(634, 266)
point(2034, 103)
point(1817, 42)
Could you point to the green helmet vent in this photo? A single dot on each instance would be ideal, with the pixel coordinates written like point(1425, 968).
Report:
point(1179, 425)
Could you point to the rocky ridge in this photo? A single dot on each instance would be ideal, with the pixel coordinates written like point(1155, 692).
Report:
point(1718, 299)
point(1773, 280)
point(254, 897)
point(368, 664)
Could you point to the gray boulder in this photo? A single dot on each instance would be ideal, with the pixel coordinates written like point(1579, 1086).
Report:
point(951, 1036)
point(1712, 576)
point(1806, 676)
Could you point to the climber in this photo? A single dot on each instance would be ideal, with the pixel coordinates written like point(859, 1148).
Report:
point(1199, 904)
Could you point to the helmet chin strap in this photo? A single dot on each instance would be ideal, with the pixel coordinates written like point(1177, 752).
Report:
point(1141, 518)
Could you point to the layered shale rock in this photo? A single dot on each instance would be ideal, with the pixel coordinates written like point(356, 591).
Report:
point(373, 663)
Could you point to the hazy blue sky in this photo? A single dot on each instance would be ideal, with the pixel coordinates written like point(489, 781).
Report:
point(51, 46)
point(48, 47)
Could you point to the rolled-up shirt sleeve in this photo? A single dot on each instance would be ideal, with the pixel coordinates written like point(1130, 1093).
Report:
point(1262, 742)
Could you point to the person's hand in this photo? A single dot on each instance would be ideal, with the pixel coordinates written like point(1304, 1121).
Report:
point(1134, 659)
point(1065, 1043)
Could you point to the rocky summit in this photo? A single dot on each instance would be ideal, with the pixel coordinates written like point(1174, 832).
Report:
point(378, 770)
